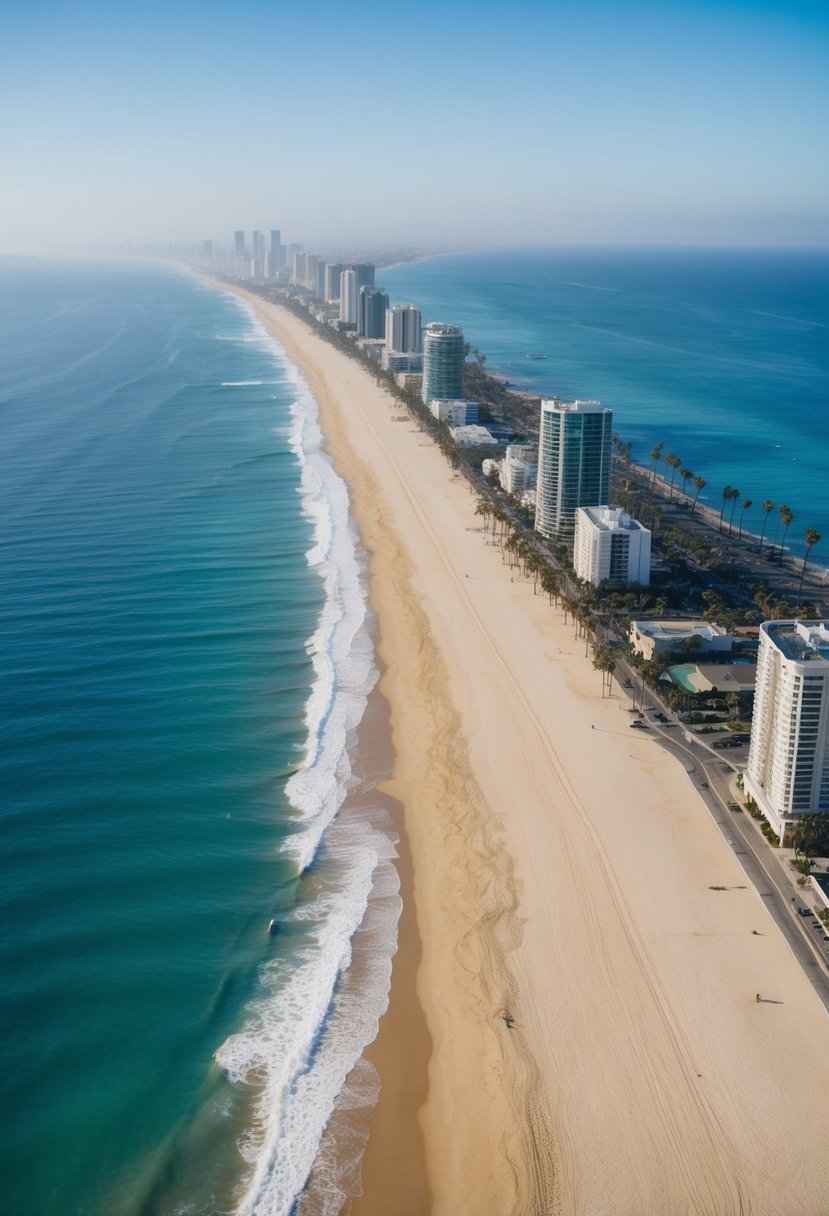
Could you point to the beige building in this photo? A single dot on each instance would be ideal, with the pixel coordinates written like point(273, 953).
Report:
point(650, 638)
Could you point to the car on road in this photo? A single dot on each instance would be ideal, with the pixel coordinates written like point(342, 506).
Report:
point(805, 912)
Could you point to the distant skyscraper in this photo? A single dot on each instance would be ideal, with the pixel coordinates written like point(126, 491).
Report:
point(298, 268)
point(239, 243)
point(788, 760)
point(573, 463)
point(371, 319)
point(364, 272)
point(443, 359)
point(311, 264)
point(275, 251)
point(403, 330)
point(333, 273)
point(258, 267)
point(349, 297)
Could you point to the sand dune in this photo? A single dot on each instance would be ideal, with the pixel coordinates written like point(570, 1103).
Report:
point(561, 872)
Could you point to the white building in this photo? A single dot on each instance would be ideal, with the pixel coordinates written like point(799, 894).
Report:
point(519, 468)
point(473, 436)
point(788, 759)
point(455, 413)
point(573, 463)
point(349, 297)
point(650, 638)
point(610, 544)
point(393, 361)
point(404, 330)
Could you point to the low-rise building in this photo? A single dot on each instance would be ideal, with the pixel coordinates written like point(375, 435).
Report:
point(454, 412)
point(473, 436)
point(394, 361)
point(650, 638)
point(610, 544)
point(519, 468)
point(411, 382)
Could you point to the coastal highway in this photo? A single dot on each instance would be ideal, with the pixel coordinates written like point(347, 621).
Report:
point(711, 774)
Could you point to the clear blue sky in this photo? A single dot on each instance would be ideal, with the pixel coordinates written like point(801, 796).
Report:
point(596, 120)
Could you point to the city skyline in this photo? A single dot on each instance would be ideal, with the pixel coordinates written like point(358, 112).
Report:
point(681, 122)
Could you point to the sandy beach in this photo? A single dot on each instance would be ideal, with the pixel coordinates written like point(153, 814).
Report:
point(557, 868)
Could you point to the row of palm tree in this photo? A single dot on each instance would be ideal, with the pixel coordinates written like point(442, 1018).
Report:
point(730, 494)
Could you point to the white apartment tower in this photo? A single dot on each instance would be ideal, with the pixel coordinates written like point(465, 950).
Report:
point(519, 469)
point(403, 330)
point(349, 297)
point(573, 463)
point(788, 761)
point(610, 544)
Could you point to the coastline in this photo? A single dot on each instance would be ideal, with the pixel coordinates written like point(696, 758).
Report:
point(637, 1071)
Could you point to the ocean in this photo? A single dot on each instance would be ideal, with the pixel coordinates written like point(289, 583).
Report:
point(186, 654)
point(722, 355)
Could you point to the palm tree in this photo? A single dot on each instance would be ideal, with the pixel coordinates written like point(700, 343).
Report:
point(700, 484)
point(746, 505)
point(768, 507)
point(656, 452)
point(781, 511)
point(787, 518)
point(672, 461)
point(726, 496)
point(686, 474)
point(734, 495)
point(812, 538)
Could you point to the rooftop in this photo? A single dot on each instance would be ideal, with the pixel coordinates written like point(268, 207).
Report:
point(612, 519)
point(799, 641)
point(678, 629)
point(573, 407)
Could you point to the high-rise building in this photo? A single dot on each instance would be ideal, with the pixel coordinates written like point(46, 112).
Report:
point(311, 264)
point(444, 355)
point(298, 268)
point(275, 252)
point(258, 264)
point(403, 330)
point(239, 243)
point(610, 544)
point(333, 273)
point(349, 297)
point(364, 272)
point(788, 760)
point(371, 319)
point(573, 463)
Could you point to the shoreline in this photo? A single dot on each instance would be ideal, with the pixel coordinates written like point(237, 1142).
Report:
point(635, 1071)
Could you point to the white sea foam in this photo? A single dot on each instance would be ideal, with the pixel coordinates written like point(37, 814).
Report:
point(314, 1013)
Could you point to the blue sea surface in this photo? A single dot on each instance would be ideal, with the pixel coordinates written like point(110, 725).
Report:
point(720, 354)
point(183, 657)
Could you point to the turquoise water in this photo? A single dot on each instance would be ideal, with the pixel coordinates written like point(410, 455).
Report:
point(722, 355)
point(184, 658)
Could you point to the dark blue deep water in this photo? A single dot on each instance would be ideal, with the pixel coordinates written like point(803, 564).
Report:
point(722, 355)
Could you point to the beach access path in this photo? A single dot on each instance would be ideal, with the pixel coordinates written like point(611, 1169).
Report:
point(589, 1004)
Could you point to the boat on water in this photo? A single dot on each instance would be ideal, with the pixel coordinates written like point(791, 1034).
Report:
point(528, 356)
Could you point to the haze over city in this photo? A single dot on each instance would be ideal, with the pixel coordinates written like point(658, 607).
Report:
point(456, 124)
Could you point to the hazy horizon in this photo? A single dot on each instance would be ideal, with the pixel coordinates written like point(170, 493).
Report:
point(682, 122)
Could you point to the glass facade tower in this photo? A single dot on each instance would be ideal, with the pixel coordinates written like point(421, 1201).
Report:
point(573, 464)
point(443, 359)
